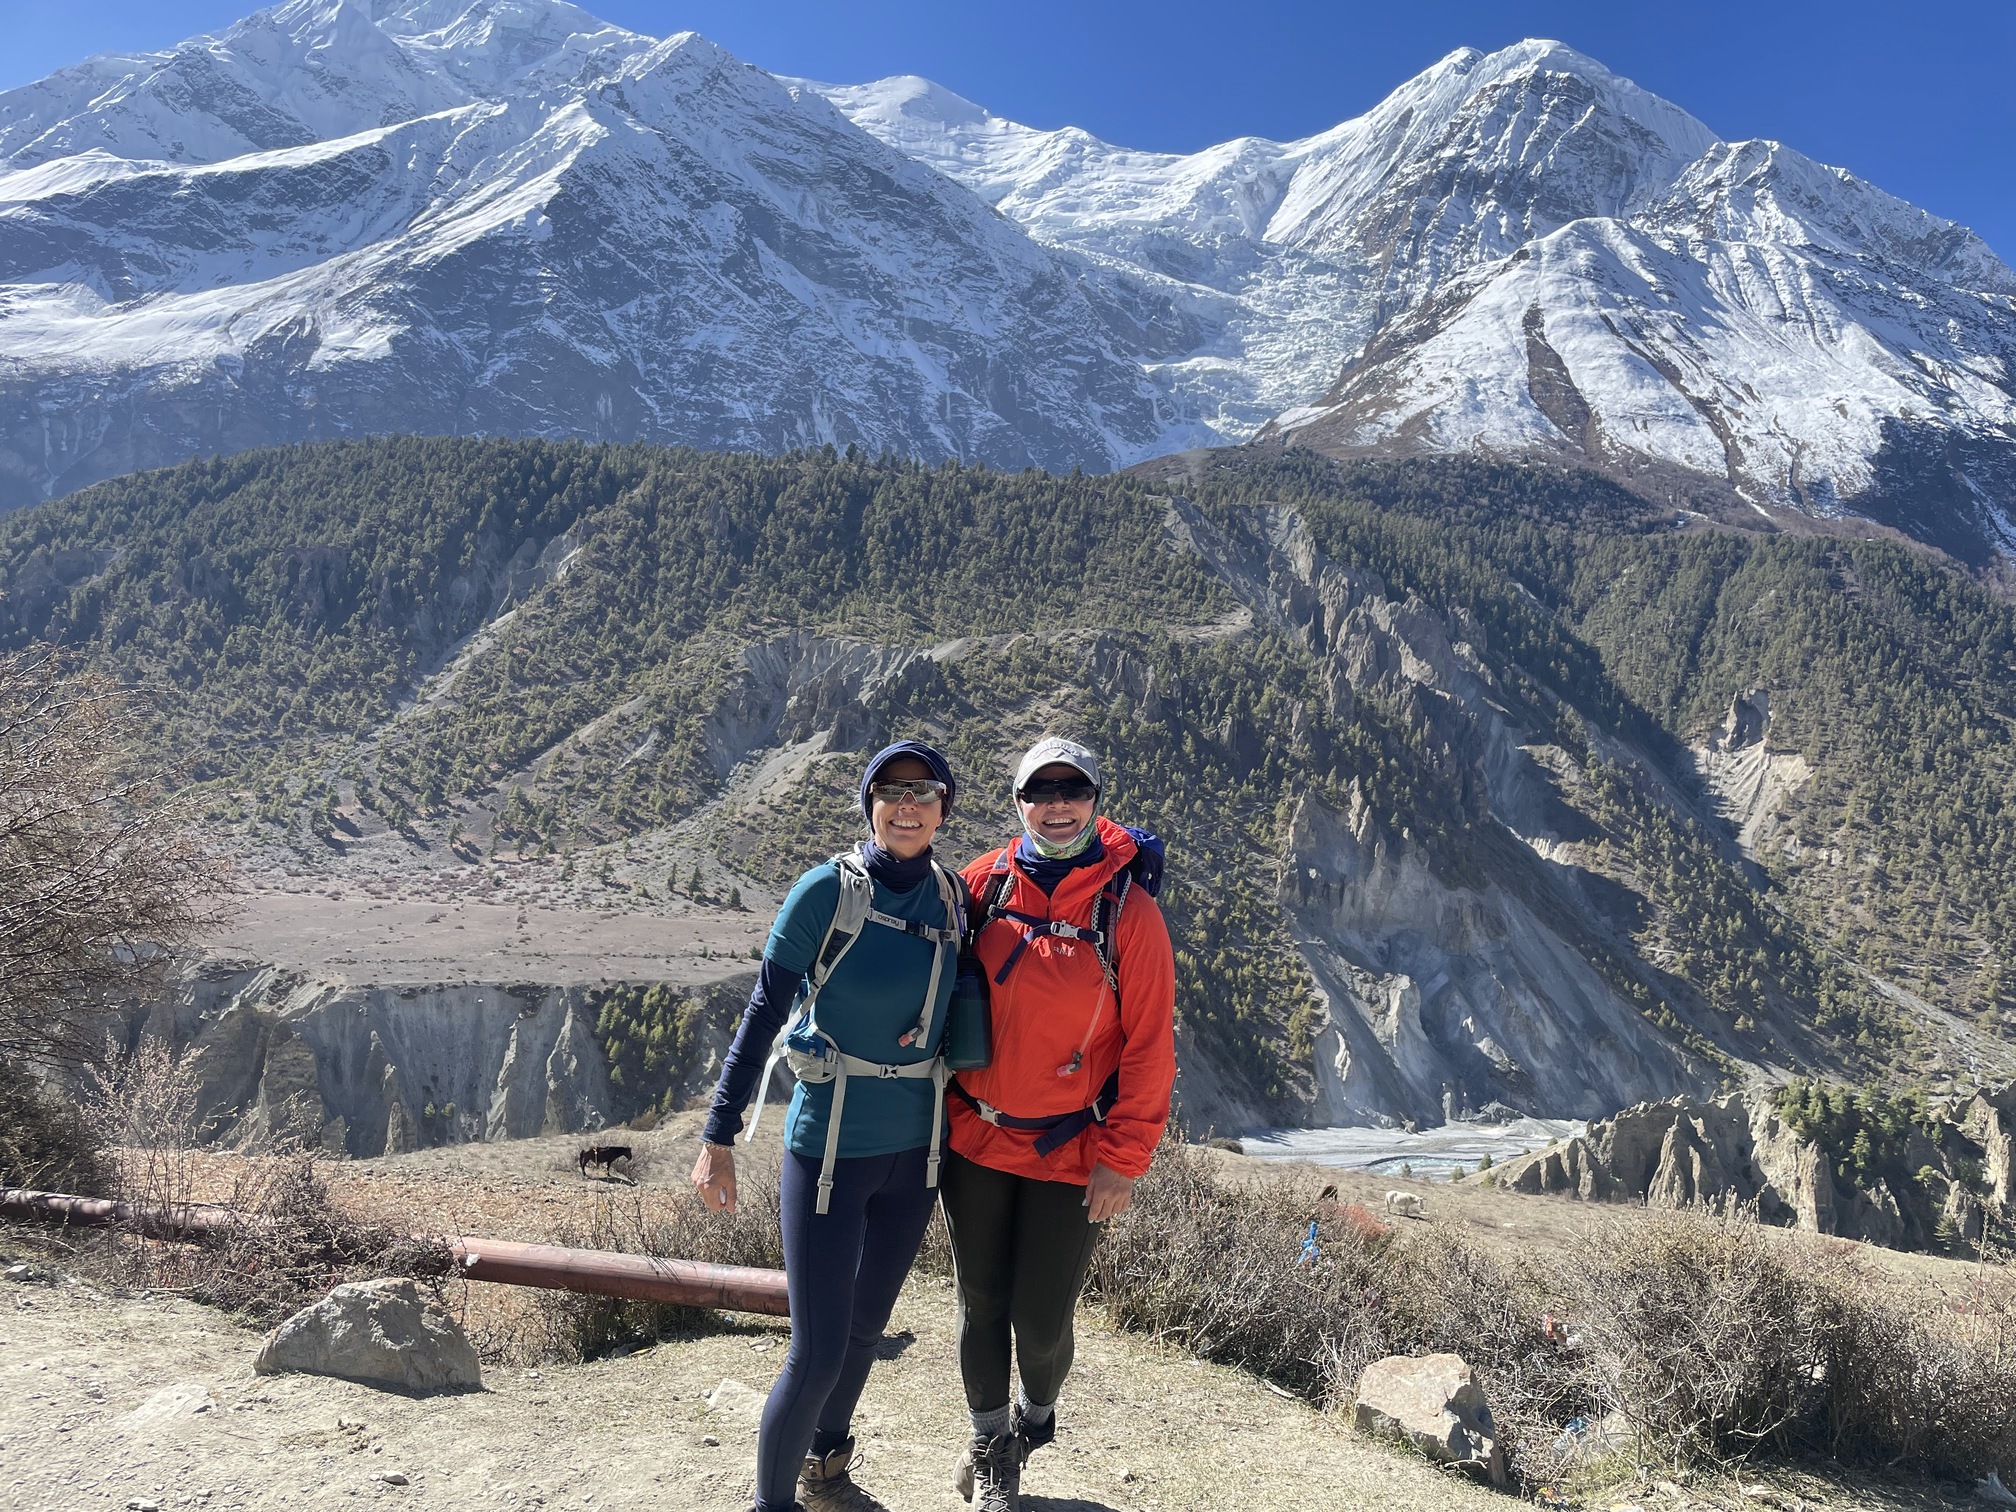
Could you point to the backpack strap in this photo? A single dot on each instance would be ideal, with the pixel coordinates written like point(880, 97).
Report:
point(953, 934)
point(851, 911)
point(1106, 925)
point(1052, 1132)
point(1100, 935)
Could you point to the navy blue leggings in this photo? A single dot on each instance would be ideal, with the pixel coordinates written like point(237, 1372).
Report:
point(845, 1268)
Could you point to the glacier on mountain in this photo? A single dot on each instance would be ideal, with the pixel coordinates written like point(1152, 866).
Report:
point(507, 216)
point(1522, 252)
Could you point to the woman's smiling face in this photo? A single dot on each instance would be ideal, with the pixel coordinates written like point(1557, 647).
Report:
point(905, 828)
point(1053, 817)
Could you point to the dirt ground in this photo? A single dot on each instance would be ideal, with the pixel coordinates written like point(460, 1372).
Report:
point(461, 929)
point(99, 1392)
point(1152, 1429)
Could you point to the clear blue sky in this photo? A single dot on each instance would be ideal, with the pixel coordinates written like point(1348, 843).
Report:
point(1918, 98)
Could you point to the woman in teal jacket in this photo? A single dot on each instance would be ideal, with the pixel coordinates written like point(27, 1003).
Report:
point(856, 1191)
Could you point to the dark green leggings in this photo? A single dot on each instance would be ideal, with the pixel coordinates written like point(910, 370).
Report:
point(1022, 1248)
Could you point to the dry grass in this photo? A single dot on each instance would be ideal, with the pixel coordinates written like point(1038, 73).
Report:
point(569, 1326)
point(294, 1243)
point(1711, 1338)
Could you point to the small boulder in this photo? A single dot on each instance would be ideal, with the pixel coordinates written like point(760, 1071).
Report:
point(379, 1333)
point(1434, 1403)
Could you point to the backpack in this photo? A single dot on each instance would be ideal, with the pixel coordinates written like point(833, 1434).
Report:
point(1143, 871)
point(815, 1056)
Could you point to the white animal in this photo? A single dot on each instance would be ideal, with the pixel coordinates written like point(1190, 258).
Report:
point(1406, 1204)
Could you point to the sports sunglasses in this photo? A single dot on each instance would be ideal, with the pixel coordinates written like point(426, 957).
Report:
point(919, 790)
point(1070, 789)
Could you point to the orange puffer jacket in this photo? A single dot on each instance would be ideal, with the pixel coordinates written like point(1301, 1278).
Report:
point(1055, 1007)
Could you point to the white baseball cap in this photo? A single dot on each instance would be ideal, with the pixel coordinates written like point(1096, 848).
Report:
point(1054, 750)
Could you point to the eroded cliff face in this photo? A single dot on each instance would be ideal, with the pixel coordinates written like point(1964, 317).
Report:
point(1737, 1150)
point(1445, 1002)
point(1441, 1000)
point(376, 1070)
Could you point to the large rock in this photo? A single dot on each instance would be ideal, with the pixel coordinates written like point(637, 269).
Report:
point(380, 1333)
point(1435, 1404)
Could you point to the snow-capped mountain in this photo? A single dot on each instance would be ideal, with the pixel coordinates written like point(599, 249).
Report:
point(504, 216)
point(1523, 252)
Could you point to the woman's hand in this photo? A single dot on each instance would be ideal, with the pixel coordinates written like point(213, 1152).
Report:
point(714, 1177)
point(1108, 1194)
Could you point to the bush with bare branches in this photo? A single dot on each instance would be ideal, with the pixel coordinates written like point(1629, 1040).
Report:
point(1712, 1336)
point(45, 1140)
point(99, 869)
point(289, 1242)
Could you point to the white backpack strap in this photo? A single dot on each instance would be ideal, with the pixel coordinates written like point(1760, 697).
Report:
point(850, 913)
point(849, 1066)
point(939, 1076)
point(763, 1087)
point(949, 935)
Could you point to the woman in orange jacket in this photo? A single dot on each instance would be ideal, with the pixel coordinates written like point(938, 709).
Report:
point(1047, 1139)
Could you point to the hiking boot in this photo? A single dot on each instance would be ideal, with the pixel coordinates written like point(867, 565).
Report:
point(1033, 1436)
point(997, 1472)
point(1028, 1436)
point(824, 1484)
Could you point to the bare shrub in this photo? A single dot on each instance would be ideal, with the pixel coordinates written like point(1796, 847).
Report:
point(1712, 1336)
point(1929, 1383)
point(277, 1242)
point(296, 1246)
point(1451, 1295)
point(143, 1104)
point(1216, 1269)
point(572, 1326)
point(99, 870)
point(46, 1142)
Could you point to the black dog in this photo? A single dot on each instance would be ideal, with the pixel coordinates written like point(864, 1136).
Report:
point(604, 1156)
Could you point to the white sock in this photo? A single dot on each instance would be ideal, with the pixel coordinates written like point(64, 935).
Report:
point(993, 1423)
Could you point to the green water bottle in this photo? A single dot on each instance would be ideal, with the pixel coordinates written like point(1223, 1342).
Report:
point(969, 1029)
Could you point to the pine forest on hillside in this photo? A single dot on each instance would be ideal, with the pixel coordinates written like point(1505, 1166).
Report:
point(553, 647)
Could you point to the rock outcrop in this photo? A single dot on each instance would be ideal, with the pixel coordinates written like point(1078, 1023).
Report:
point(378, 1070)
point(1737, 1150)
point(1439, 999)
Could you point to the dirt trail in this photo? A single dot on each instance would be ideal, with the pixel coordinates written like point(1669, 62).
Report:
point(85, 1424)
point(1143, 1427)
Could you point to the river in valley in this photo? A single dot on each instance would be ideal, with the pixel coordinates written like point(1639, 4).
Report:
point(1432, 1153)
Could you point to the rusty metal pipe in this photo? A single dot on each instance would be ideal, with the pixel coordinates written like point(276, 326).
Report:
point(183, 1220)
point(598, 1273)
point(642, 1278)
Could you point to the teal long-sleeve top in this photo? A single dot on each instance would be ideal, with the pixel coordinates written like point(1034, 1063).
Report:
point(870, 1001)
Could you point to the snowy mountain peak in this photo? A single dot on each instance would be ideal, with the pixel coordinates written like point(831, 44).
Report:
point(501, 216)
point(1524, 251)
point(509, 216)
point(904, 96)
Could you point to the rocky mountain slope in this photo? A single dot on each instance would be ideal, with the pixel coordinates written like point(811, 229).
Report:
point(1456, 761)
point(1522, 253)
point(339, 218)
point(348, 217)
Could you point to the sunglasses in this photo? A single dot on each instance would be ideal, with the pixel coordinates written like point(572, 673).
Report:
point(920, 791)
point(1069, 789)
